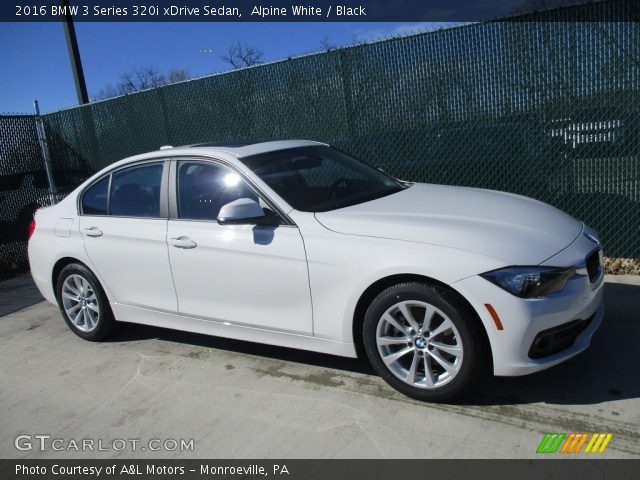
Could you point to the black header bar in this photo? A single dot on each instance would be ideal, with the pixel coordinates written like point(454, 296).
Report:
point(307, 10)
point(548, 469)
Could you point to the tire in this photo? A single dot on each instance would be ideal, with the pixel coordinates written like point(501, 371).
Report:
point(454, 336)
point(88, 315)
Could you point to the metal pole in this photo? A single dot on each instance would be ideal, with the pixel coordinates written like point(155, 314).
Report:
point(74, 54)
point(44, 147)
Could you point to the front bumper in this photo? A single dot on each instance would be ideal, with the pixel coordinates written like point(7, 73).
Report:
point(523, 320)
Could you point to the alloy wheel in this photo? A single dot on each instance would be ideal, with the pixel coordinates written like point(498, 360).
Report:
point(419, 344)
point(80, 303)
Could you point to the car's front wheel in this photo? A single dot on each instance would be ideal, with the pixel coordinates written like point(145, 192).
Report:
point(83, 303)
point(423, 341)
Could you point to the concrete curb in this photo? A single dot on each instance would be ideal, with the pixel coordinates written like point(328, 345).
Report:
point(624, 279)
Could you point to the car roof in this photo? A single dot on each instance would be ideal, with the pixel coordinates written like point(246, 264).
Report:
point(240, 150)
point(237, 150)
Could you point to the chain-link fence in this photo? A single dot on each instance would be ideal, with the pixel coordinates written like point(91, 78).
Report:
point(24, 186)
point(547, 106)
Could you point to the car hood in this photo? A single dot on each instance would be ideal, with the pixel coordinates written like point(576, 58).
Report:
point(514, 229)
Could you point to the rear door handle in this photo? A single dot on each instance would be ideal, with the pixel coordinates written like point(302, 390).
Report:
point(93, 232)
point(183, 242)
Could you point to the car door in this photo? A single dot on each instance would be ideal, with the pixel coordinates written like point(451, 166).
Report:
point(123, 223)
point(247, 275)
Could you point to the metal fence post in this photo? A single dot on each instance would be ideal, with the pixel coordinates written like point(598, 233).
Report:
point(44, 147)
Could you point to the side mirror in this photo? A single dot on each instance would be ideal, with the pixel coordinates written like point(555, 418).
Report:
point(246, 211)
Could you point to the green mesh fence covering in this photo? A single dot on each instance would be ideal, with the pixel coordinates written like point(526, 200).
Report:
point(547, 109)
point(24, 186)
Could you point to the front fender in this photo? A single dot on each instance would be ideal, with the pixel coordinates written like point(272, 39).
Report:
point(342, 267)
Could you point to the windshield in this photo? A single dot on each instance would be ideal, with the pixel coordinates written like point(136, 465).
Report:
point(319, 178)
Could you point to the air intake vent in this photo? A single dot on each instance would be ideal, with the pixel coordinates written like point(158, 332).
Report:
point(594, 267)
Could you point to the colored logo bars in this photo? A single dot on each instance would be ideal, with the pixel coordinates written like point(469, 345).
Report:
point(574, 442)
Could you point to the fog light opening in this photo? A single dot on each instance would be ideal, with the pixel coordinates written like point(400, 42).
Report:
point(541, 344)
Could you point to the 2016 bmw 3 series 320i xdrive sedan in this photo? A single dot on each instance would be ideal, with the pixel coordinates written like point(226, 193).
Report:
point(294, 243)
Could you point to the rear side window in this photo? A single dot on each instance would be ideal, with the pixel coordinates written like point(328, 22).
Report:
point(94, 200)
point(135, 192)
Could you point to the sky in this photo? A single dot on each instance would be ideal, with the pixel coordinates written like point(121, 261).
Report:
point(36, 63)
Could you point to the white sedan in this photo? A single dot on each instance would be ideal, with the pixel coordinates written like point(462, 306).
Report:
point(296, 244)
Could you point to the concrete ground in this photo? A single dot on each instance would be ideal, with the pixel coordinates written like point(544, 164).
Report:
point(242, 400)
point(18, 293)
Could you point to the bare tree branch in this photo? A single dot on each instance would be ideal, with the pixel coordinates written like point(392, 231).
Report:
point(141, 78)
point(327, 45)
point(177, 75)
point(241, 56)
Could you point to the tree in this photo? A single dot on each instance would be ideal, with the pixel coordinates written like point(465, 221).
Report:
point(142, 78)
point(241, 56)
point(326, 44)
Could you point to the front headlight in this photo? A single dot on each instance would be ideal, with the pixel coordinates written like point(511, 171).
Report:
point(530, 282)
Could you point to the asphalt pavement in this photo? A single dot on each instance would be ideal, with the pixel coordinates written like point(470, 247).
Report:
point(148, 387)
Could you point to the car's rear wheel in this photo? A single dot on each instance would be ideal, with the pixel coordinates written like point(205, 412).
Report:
point(423, 341)
point(83, 303)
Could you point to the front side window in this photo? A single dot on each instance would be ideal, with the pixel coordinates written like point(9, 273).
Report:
point(204, 188)
point(319, 178)
point(135, 191)
point(95, 199)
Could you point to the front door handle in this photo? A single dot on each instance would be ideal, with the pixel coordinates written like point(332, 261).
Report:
point(93, 232)
point(183, 242)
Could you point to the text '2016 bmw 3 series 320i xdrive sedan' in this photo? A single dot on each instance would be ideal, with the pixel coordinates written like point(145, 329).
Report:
point(294, 243)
